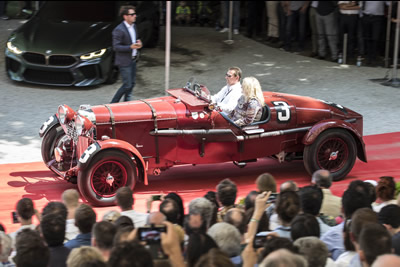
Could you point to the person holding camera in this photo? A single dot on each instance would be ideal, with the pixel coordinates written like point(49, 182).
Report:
point(23, 215)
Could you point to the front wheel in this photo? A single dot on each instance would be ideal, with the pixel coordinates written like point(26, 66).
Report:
point(334, 150)
point(52, 139)
point(107, 172)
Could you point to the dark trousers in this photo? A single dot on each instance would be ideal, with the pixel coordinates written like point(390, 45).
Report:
point(372, 27)
point(348, 24)
point(128, 75)
point(295, 29)
point(282, 23)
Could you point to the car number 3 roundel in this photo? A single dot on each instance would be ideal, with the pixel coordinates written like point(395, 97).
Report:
point(282, 111)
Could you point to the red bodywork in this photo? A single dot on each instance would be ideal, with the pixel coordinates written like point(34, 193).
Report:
point(105, 147)
point(135, 123)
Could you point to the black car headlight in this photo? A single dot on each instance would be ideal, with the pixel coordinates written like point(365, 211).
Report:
point(12, 48)
point(82, 125)
point(94, 54)
point(65, 114)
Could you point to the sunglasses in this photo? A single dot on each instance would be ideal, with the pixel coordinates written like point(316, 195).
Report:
point(132, 14)
point(228, 75)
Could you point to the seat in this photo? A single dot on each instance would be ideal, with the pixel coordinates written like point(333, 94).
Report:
point(264, 116)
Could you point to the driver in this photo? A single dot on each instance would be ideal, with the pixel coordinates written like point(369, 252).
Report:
point(227, 98)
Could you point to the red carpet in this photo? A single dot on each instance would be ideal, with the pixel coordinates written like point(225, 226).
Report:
point(35, 181)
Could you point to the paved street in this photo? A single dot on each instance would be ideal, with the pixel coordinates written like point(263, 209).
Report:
point(202, 53)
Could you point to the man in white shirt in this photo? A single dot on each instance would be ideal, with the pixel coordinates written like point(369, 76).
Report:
point(227, 98)
point(125, 201)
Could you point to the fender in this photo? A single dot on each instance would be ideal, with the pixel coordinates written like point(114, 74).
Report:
point(47, 125)
point(317, 129)
point(94, 148)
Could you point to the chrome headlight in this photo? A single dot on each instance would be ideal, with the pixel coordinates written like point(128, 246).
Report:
point(65, 114)
point(13, 48)
point(94, 54)
point(82, 125)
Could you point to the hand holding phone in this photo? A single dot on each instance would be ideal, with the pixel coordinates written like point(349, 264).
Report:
point(156, 197)
point(14, 217)
point(151, 236)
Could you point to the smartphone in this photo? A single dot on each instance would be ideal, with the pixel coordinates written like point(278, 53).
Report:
point(14, 217)
point(259, 241)
point(272, 198)
point(156, 197)
point(151, 235)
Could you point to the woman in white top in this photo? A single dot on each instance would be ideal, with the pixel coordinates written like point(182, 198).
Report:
point(385, 191)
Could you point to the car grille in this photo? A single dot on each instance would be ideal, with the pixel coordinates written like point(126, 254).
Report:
point(48, 77)
point(54, 60)
point(34, 58)
point(61, 60)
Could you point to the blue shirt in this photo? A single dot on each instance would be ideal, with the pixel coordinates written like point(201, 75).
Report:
point(79, 240)
point(333, 239)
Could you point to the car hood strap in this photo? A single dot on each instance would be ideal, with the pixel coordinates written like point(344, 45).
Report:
point(154, 115)
point(112, 120)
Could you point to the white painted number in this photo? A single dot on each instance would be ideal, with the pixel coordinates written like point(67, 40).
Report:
point(283, 110)
point(46, 124)
point(86, 155)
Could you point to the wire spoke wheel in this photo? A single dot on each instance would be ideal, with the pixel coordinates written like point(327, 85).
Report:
point(334, 150)
point(106, 172)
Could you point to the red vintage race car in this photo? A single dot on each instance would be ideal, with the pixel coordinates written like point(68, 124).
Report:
point(105, 147)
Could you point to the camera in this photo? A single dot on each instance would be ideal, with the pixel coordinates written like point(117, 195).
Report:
point(272, 198)
point(151, 235)
point(156, 197)
point(259, 241)
point(14, 217)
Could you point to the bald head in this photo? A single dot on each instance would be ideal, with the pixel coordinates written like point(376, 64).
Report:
point(283, 257)
point(387, 260)
point(322, 178)
point(70, 198)
point(156, 218)
point(289, 186)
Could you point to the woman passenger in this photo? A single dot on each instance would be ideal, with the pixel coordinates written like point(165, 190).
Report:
point(249, 107)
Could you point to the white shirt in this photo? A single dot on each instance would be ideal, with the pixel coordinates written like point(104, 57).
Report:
point(132, 33)
point(344, 259)
point(378, 206)
point(71, 231)
point(13, 235)
point(228, 97)
point(347, 11)
point(139, 219)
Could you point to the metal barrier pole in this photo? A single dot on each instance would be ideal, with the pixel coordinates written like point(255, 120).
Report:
point(396, 45)
point(388, 26)
point(167, 44)
point(344, 48)
point(230, 19)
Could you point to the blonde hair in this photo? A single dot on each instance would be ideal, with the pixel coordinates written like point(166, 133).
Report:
point(252, 89)
point(84, 255)
point(70, 198)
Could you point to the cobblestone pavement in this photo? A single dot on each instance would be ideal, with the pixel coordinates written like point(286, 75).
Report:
point(204, 54)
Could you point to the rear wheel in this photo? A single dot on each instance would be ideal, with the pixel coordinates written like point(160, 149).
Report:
point(334, 150)
point(106, 172)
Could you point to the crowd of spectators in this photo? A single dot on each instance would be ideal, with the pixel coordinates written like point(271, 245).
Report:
point(354, 31)
point(267, 228)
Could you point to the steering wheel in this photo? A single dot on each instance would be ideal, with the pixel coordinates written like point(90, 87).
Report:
point(197, 89)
